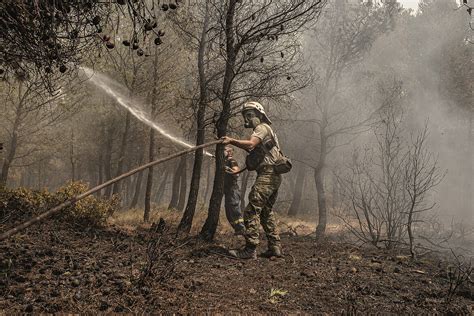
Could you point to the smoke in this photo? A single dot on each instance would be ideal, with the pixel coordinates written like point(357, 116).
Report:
point(417, 52)
point(433, 42)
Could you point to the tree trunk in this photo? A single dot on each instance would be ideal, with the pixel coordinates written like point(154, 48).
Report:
point(468, 188)
point(161, 189)
point(149, 180)
point(210, 226)
point(10, 155)
point(208, 182)
point(72, 158)
point(151, 147)
point(335, 192)
point(127, 190)
point(319, 181)
point(123, 148)
point(99, 168)
point(183, 184)
point(188, 216)
point(96, 169)
point(138, 187)
point(298, 192)
point(13, 144)
point(40, 174)
point(175, 187)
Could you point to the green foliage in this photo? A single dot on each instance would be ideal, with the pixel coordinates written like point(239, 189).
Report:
point(20, 204)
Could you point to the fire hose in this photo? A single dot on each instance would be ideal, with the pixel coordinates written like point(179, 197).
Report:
point(73, 200)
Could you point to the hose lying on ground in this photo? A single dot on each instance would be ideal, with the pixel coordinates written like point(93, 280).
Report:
point(73, 200)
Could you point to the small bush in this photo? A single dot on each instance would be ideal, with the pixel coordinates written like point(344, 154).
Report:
point(20, 204)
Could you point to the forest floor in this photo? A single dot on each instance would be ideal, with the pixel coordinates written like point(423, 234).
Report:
point(53, 267)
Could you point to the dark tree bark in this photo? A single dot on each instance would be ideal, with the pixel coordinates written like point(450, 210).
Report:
point(319, 181)
point(149, 181)
point(13, 144)
point(188, 216)
point(210, 226)
point(297, 192)
point(72, 158)
point(468, 197)
point(208, 181)
point(11, 152)
point(176, 186)
point(183, 184)
point(151, 147)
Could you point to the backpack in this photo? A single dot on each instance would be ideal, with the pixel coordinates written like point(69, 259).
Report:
point(257, 155)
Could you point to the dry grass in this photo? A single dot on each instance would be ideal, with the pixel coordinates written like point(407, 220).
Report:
point(133, 218)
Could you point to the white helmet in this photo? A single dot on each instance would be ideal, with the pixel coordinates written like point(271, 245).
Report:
point(252, 105)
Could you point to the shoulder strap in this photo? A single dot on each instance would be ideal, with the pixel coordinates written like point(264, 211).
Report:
point(272, 134)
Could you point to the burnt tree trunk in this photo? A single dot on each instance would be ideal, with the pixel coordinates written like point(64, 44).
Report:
point(149, 179)
point(11, 152)
point(183, 184)
point(297, 192)
point(469, 197)
point(208, 181)
point(151, 147)
point(72, 158)
point(210, 226)
point(13, 143)
point(188, 216)
point(176, 186)
point(319, 181)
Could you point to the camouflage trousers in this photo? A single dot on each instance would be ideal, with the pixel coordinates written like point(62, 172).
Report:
point(259, 210)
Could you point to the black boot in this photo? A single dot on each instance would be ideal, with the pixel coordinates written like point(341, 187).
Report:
point(272, 251)
point(248, 252)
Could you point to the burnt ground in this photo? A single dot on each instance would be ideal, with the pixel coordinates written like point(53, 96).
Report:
point(52, 268)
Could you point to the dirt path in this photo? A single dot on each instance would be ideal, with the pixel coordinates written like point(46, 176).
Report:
point(52, 269)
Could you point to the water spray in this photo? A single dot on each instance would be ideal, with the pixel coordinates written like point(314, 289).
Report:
point(114, 89)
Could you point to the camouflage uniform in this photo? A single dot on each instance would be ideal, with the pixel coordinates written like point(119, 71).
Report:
point(263, 194)
point(259, 210)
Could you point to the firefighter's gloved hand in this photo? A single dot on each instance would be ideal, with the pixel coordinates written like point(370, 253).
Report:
point(226, 140)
